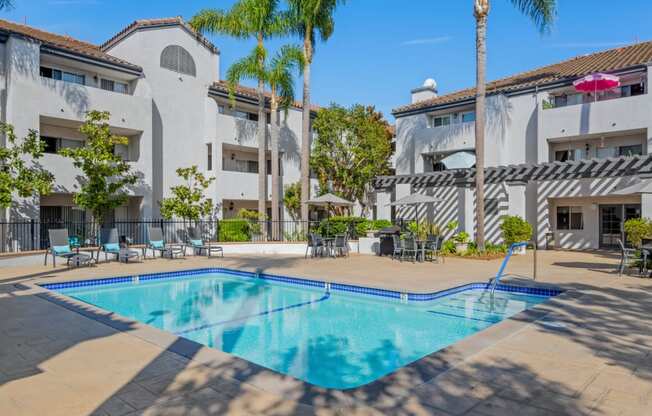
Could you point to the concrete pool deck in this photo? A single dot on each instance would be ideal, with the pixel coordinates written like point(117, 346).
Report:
point(590, 354)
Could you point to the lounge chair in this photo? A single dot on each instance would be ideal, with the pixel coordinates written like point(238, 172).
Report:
point(196, 242)
point(315, 245)
point(110, 244)
point(60, 247)
point(156, 242)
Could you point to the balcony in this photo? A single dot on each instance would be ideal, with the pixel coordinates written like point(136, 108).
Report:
point(600, 117)
point(455, 136)
point(60, 99)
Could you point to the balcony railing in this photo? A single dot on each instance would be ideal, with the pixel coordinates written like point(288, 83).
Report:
point(576, 99)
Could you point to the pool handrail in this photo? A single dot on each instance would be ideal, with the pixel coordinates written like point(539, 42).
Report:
point(501, 270)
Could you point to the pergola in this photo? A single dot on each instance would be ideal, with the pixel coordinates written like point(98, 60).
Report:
point(578, 169)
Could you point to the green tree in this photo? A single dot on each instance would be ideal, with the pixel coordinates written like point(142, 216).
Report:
point(309, 19)
point(352, 147)
point(17, 175)
point(106, 175)
point(292, 200)
point(542, 13)
point(188, 200)
point(261, 20)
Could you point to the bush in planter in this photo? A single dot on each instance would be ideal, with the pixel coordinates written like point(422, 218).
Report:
point(448, 247)
point(234, 229)
point(462, 238)
point(515, 229)
point(637, 229)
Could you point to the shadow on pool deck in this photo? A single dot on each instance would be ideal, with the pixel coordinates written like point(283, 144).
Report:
point(590, 355)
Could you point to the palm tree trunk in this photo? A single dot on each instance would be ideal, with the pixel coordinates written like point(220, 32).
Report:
point(275, 131)
point(481, 11)
point(305, 128)
point(262, 149)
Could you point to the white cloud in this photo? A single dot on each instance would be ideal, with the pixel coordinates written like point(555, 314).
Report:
point(427, 41)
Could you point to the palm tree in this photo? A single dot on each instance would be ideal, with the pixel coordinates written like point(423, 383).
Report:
point(542, 13)
point(259, 19)
point(6, 4)
point(281, 83)
point(310, 17)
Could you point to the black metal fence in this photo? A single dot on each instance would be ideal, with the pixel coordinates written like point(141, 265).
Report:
point(31, 235)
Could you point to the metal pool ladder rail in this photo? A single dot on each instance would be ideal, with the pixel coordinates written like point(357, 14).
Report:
point(496, 279)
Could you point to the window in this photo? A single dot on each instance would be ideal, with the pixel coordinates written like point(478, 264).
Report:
point(50, 144)
point(564, 155)
point(220, 109)
point(245, 115)
point(110, 85)
point(468, 116)
point(54, 144)
point(570, 218)
point(209, 156)
point(561, 100)
point(605, 152)
point(631, 90)
point(631, 150)
point(438, 121)
point(62, 75)
point(177, 59)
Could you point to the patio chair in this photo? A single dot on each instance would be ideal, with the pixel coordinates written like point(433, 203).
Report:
point(60, 247)
point(196, 242)
point(315, 245)
point(156, 243)
point(625, 255)
point(433, 247)
point(341, 246)
point(398, 247)
point(410, 248)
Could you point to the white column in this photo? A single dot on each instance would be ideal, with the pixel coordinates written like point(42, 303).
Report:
point(646, 206)
point(516, 198)
point(383, 210)
point(465, 209)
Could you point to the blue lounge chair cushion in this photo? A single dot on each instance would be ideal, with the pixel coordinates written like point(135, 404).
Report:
point(112, 247)
point(58, 250)
point(197, 242)
point(157, 244)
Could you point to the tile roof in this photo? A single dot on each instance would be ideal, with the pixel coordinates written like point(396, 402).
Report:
point(65, 43)
point(605, 61)
point(249, 92)
point(148, 23)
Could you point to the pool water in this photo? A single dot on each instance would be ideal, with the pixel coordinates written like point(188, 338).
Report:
point(336, 340)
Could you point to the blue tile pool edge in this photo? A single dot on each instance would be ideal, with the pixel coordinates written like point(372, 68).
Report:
point(342, 287)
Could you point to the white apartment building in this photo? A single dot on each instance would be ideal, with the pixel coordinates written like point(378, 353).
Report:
point(536, 123)
point(160, 82)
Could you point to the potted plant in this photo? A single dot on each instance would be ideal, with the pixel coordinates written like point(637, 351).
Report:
point(461, 240)
point(516, 230)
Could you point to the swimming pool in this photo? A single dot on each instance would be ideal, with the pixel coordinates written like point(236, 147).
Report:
point(330, 335)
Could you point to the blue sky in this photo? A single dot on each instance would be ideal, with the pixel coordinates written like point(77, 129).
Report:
point(383, 48)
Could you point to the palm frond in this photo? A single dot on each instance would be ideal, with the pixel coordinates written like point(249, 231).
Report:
point(280, 73)
point(6, 4)
point(316, 15)
point(247, 67)
point(541, 12)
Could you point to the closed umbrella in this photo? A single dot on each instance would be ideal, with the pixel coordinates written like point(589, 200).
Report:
point(415, 199)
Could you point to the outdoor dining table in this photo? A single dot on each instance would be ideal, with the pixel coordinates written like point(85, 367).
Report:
point(328, 245)
point(421, 245)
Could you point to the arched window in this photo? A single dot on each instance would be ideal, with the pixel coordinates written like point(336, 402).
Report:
point(177, 59)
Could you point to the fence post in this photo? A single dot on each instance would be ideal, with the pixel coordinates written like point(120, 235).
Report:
point(31, 232)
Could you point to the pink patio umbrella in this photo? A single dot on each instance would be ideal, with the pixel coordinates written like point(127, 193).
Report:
point(596, 82)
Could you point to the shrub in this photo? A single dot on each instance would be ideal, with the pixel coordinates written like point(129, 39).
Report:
point(235, 229)
point(637, 229)
point(515, 229)
point(448, 247)
point(462, 237)
point(380, 224)
point(341, 224)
